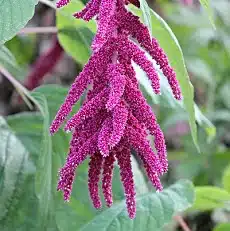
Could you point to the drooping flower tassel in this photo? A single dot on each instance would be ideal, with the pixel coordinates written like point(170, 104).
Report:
point(115, 117)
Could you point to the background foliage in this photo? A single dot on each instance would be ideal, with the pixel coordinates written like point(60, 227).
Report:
point(197, 130)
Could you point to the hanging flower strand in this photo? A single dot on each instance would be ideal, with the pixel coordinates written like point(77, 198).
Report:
point(115, 118)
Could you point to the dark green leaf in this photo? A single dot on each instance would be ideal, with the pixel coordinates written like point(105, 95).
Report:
point(8, 61)
point(16, 170)
point(43, 184)
point(153, 210)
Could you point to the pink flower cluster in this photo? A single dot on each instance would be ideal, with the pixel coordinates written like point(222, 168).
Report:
point(115, 117)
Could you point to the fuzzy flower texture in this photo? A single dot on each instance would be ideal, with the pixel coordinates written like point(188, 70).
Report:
point(115, 117)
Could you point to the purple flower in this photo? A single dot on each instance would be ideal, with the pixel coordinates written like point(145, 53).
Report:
point(120, 116)
point(123, 155)
point(95, 166)
point(107, 176)
point(62, 3)
point(115, 117)
point(104, 137)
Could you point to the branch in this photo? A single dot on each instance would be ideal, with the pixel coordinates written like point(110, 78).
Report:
point(182, 223)
point(20, 89)
point(38, 30)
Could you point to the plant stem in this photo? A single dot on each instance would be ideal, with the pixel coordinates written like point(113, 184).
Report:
point(38, 30)
point(21, 89)
point(182, 223)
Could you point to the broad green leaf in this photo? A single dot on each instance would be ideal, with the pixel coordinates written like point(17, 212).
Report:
point(210, 197)
point(43, 179)
point(222, 227)
point(14, 15)
point(28, 127)
point(16, 170)
point(75, 35)
point(226, 179)
point(153, 210)
point(33, 131)
point(207, 7)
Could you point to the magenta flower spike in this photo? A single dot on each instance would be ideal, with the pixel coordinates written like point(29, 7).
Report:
point(107, 177)
point(95, 166)
point(117, 86)
point(115, 118)
point(104, 137)
point(120, 116)
point(83, 12)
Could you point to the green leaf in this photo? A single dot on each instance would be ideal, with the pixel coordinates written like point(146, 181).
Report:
point(226, 179)
point(28, 127)
point(43, 181)
point(210, 197)
point(25, 43)
point(168, 41)
point(8, 60)
point(34, 133)
point(222, 227)
point(146, 13)
point(14, 15)
point(16, 170)
point(207, 7)
point(75, 35)
point(153, 210)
